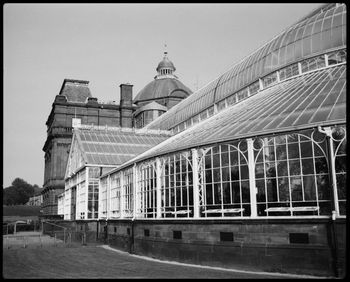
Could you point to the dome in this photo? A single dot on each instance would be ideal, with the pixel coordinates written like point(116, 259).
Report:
point(165, 85)
point(165, 64)
point(163, 88)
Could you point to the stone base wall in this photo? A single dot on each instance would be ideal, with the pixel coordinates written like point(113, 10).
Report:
point(300, 246)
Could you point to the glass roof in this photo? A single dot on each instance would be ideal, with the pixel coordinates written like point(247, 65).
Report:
point(114, 147)
point(321, 31)
point(317, 98)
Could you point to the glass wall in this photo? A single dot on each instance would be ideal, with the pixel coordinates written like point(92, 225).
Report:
point(287, 174)
point(115, 195)
point(75, 196)
point(128, 198)
point(147, 190)
point(291, 173)
point(94, 174)
point(81, 200)
point(103, 207)
point(177, 186)
point(226, 180)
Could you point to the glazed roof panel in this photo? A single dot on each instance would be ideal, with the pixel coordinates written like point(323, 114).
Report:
point(114, 147)
point(320, 32)
point(305, 101)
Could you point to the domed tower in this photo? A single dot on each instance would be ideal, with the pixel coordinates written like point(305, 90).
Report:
point(158, 96)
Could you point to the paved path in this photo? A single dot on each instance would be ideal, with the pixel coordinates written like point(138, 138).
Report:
point(105, 262)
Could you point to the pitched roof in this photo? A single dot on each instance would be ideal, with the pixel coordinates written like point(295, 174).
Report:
point(75, 90)
point(101, 146)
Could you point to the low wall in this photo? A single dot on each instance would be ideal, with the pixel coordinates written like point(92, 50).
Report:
point(301, 246)
point(297, 246)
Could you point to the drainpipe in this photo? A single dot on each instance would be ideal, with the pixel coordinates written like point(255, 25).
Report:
point(335, 207)
point(135, 181)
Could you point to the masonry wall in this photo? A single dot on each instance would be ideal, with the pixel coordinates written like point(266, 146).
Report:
point(291, 246)
point(300, 246)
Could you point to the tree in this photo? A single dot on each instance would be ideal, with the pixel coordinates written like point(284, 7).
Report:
point(19, 192)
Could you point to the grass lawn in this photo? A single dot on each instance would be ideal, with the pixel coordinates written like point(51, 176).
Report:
point(96, 262)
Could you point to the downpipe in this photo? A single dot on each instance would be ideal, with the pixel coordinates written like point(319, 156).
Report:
point(131, 250)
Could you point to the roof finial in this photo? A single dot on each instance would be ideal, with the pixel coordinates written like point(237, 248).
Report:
point(165, 51)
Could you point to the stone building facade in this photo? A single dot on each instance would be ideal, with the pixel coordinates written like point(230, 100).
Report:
point(74, 103)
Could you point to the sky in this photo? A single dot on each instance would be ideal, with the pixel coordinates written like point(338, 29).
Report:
point(111, 44)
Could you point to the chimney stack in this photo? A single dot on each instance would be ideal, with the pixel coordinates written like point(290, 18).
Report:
point(126, 94)
point(126, 105)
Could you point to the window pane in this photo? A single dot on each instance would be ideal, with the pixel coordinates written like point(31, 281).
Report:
point(296, 188)
point(282, 168)
point(283, 187)
point(309, 188)
point(271, 190)
point(307, 166)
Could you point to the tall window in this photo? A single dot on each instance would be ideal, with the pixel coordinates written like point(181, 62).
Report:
point(94, 174)
point(103, 198)
point(226, 181)
point(177, 186)
point(148, 193)
point(115, 194)
point(128, 192)
point(291, 173)
point(81, 195)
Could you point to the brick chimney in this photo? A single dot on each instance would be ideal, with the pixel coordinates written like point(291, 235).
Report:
point(126, 105)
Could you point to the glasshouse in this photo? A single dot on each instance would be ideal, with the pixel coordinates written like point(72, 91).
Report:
point(253, 171)
point(94, 151)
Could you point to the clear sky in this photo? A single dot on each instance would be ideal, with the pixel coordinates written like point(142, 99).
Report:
point(110, 44)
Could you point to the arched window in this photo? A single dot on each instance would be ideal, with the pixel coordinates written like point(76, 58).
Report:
point(147, 190)
point(177, 186)
point(226, 181)
point(291, 173)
